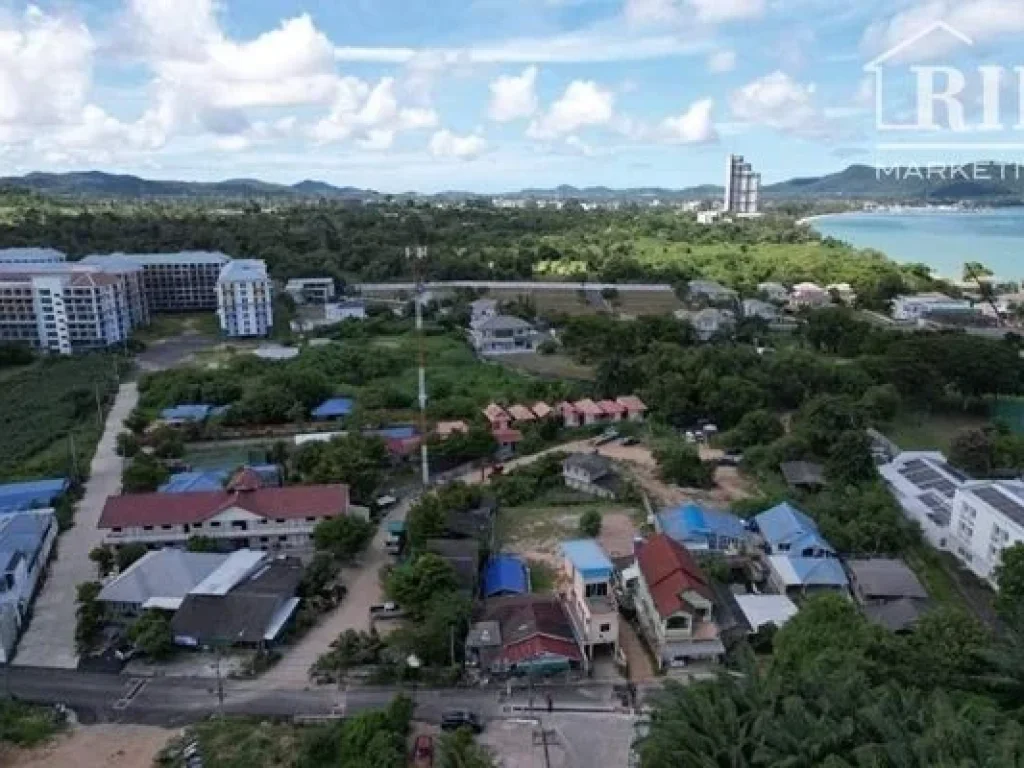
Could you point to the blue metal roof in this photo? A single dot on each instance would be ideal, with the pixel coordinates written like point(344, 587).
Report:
point(22, 534)
point(186, 412)
point(189, 482)
point(505, 575)
point(18, 497)
point(588, 558)
point(333, 408)
point(785, 524)
point(691, 521)
point(819, 571)
point(393, 433)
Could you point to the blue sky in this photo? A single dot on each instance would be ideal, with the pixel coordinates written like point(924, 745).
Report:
point(488, 95)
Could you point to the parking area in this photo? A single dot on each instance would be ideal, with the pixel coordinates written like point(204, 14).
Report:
point(50, 638)
point(561, 740)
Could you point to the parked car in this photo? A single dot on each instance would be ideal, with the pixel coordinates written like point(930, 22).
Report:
point(423, 752)
point(454, 719)
point(630, 441)
point(607, 436)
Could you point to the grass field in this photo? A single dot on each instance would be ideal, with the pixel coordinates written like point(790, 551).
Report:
point(929, 432)
point(550, 366)
point(169, 326)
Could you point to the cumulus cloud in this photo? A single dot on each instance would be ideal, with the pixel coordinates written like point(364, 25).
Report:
point(359, 111)
point(513, 96)
point(778, 101)
point(584, 103)
point(704, 11)
point(695, 126)
point(722, 61)
point(446, 144)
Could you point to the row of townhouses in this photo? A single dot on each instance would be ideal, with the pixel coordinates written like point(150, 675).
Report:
point(64, 307)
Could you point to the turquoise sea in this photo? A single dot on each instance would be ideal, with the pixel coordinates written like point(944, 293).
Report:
point(943, 240)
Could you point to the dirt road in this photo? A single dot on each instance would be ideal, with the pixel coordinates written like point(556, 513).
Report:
point(97, 746)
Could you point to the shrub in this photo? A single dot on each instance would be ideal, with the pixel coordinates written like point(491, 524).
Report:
point(590, 524)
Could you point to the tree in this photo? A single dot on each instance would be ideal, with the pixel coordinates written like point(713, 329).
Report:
point(881, 404)
point(851, 461)
point(755, 428)
point(590, 524)
point(1009, 576)
point(973, 450)
point(344, 536)
point(89, 615)
point(202, 544)
point(351, 648)
point(439, 632)
point(144, 474)
point(167, 443)
point(413, 585)
point(460, 750)
point(353, 459)
point(681, 464)
point(319, 574)
point(151, 633)
point(103, 556)
point(127, 445)
point(128, 554)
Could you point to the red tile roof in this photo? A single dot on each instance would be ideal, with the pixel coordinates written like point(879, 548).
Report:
point(611, 407)
point(539, 645)
point(565, 408)
point(447, 428)
point(542, 410)
point(669, 570)
point(495, 412)
point(588, 406)
point(521, 413)
point(632, 403)
point(136, 509)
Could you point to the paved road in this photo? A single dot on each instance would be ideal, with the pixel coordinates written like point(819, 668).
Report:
point(49, 640)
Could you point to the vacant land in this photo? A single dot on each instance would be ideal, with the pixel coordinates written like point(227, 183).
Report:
point(930, 432)
point(553, 366)
point(98, 746)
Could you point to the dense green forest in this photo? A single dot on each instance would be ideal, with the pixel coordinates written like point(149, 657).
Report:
point(354, 242)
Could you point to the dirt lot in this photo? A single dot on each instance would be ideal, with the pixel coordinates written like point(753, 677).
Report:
point(98, 746)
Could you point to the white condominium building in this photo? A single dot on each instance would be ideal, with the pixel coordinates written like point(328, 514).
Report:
point(31, 256)
point(66, 308)
point(988, 517)
point(742, 187)
point(245, 298)
point(175, 282)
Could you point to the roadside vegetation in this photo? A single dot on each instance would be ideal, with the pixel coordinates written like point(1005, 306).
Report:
point(26, 725)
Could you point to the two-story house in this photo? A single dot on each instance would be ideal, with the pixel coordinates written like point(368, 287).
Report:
point(592, 474)
point(502, 335)
point(800, 561)
point(244, 515)
point(591, 599)
point(482, 310)
point(675, 605)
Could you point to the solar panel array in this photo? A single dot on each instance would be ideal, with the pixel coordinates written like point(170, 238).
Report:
point(1012, 509)
point(940, 511)
point(924, 476)
point(953, 472)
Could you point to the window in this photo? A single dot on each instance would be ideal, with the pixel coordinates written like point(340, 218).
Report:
point(215, 524)
point(166, 527)
point(147, 527)
point(605, 628)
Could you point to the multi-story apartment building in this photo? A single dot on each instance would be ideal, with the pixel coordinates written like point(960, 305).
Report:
point(174, 282)
point(591, 598)
point(65, 308)
point(31, 256)
point(245, 298)
point(988, 517)
point(742, 187)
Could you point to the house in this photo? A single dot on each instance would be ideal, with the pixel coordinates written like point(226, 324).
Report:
point(192, 482)
point(592, 474)
point(507, 439)
point(521, 413)
point(472, 524)
point(613, 410)
point(188, 414)
point(710, 291)
point(888, 592)
point(919, 306)
point(505, 575)
point(988, 517)
point(340, 311)
point(312, 290)
point(504, 334)
point(700, 528)
point(675, 604)
point(591, 598)
point(333, 408)
point(446, 429)
point(26, 541)
point(774, 292)
point(570, 416)
point(244, 515)
point(706, 218)
point(809, 295)
point(925, 485)
point(32, 494)
point(497, 417)
point(760, 310)
point(789, 532)
point(635, 408)
point(709, 322)
point(760, 610)
point(803, 475)
point(797, 576)
point(843, 291)
point(482, 310)
point(162, 578)
point(524, 636)
point(463, 555)
point(244, 602)
point(542, 410)
point(589, 412)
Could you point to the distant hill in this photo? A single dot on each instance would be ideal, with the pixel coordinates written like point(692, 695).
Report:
point(984, 183)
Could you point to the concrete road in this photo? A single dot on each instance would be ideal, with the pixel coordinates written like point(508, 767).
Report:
point(354, 612)
point(50, 638)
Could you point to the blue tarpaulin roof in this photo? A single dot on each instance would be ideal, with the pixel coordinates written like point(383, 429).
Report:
point(188, 482)
point(588, 558)
point(505, 575)
point(190, 412)
point(692, 521)
point(333, 408)
point(18, 497)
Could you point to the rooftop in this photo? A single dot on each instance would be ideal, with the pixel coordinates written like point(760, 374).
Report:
point(504, 323)
point(32, 494)
point(243, 271)
point(885, 578)
point(670, 571)
point(809, 571)
point(692, 521)
point(588, 558)
point(181, 257)
point(164, 574)
point(22, 534)
point(31, 254)
point(759, 610)
point(804, 473)
point(786, 525)
point(333, 408)
point(505, 574)
point(593, 464)
point(1005, 496)
point(191, 482)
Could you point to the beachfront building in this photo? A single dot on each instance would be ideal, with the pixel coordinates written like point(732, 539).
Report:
point(245, 298)
point(174, 282)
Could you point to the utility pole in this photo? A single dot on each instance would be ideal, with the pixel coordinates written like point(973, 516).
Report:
point(99, 407)
point(419, 255)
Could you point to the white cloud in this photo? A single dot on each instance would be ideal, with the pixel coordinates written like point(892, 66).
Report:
point(446, 144)
point(513, 96)
point(722, 61)
point(650, 12)
point(577, 144)
point(583, 104)
point(717, 11)
point(367, 114)
point(695, 126)
point(777, 101)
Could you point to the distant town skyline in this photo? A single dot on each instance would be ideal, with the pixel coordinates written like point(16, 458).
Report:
point(484, 95)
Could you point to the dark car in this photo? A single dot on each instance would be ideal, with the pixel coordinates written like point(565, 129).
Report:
point(452, 720)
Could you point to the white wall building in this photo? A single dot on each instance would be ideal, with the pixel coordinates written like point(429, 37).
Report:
point(26, 540)
point(988, 517)
point(245, 298)
point(742, 187)
point(31, 256)
point(918, 306)
point(925, 485)
point(316, 290)
point(174, 282)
